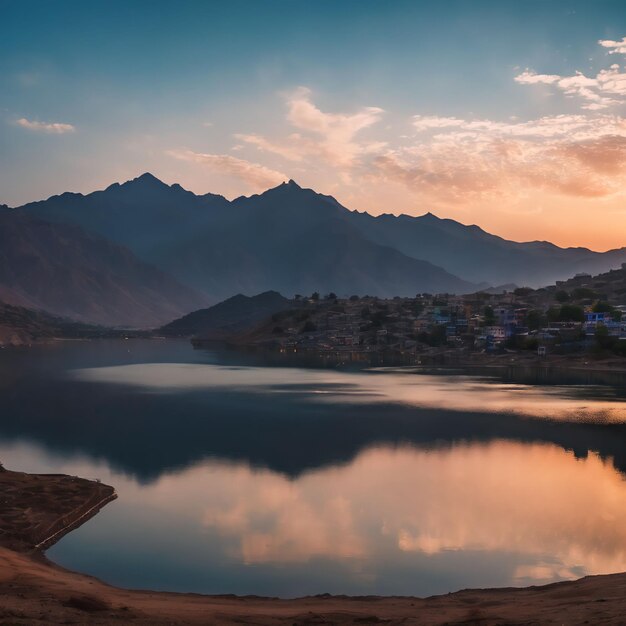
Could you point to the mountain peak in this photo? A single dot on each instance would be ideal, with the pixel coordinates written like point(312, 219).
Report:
point(145, 183)
point(290, 185)
point(148, 179)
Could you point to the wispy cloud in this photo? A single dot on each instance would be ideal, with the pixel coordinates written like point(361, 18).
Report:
point(335, 132)
point(429, 122)
point(451, 160)
point(328, 137)
point(46, 127)
point(292, 150)
point(574, 155)
point(618, 47)
point(454, 160)
point(253, 174)
point(607, 88)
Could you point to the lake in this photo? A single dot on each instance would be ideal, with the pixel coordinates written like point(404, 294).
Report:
point(237, 475)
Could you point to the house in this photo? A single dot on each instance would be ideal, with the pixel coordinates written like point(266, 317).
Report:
point(593, 318)
point(497, 333)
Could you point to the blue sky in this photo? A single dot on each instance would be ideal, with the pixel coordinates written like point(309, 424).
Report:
point(136, 86)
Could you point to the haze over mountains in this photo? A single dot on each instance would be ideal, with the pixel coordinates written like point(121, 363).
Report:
point(62, 269)
point(154, 247)
point(289, 239)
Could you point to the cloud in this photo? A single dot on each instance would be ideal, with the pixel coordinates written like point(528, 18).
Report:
point(428, 122)
point(593, 90)
point(45, 127)
point(329, 138)
point(532, 78)
point(604, 90)
point(476, 160)
point(291, 152)
point(619, 47)
point(451, 159)
point(255, 175)
point(335, 132)
point(437, 505)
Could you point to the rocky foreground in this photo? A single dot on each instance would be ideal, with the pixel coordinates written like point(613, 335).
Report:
point(36, 510)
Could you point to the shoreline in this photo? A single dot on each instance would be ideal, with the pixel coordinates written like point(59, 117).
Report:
point(34, 589)
point(578, 363)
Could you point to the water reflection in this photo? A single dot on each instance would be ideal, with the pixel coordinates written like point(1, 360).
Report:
point(477, 514)
point(138, 407)
point(566, 403)
point(242, 479)
point(496, 497)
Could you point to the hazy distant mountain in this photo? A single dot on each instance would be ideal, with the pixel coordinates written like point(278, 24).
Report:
point(232, 315)
point(289, 239)
point(141, 213)
point(476, 255)
point(296, 241)
point(63, 270)
point(19, 326)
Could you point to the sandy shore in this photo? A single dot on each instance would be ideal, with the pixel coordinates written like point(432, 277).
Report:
point(38, 508)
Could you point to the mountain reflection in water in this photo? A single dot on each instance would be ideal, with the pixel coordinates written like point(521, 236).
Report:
point(289, 481)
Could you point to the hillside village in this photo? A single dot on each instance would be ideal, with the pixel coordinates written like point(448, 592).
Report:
point(583, 314)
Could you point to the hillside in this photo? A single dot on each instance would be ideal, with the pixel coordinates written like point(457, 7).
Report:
point(225, 318)
point(609, 286)
point(19, 326)
point(61, 269)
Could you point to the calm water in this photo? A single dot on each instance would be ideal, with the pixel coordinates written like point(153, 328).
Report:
point(238, 478)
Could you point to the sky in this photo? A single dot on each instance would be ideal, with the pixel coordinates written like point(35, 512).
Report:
point(506, 114)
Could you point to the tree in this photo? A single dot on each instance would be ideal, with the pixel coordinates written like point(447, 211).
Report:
point(620, 347)
point(309, 327)
point(436, 336)
point(354, 298)
point(553, 314)
point(602, 306)
point(490, 316)
point(531, 343)
point(522, 291)
point(583, 293)
point(535, 319)
point(331, 296)
point(602, 337)
point(315, 296)
point(571, 313)
point(561, 296)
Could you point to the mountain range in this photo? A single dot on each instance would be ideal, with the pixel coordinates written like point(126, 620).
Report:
point(289, 239)
point(166, 247)
point(66, 271)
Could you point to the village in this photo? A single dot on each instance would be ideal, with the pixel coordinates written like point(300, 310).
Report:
point(584, 314)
